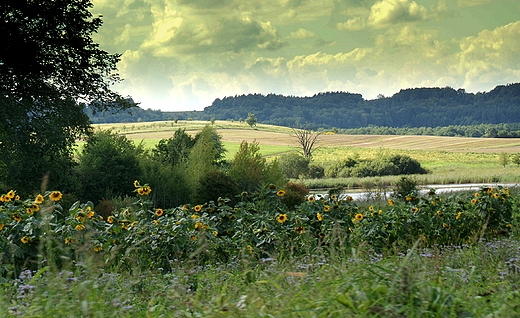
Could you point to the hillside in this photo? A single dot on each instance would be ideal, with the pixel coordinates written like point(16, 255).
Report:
point(407, 109)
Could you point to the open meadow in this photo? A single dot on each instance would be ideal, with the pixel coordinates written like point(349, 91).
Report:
point(431, 255)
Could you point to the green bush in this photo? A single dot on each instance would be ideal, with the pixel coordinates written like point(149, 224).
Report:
point(294, 165)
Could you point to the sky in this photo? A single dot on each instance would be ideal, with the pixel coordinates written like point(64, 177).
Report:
point(180, 55)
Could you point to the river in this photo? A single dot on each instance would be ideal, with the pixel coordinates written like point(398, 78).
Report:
point(439, 188)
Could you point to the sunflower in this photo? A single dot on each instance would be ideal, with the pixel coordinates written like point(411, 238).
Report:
point(2, 226)
point(17, 198)
point(319, 217)
point(29, 211)
point(68, 241)
point(371, 208)
point(415, 209)
point(333, 197)
point(39, 199)
point(326, 208)
point(159, 212)
point(349, 198)
point(17, 217)
point(140, 191)
point(496, 195)
point(136, 184)
point(408, 198)
point(299, 229)
point(35, 207)
point(55, 195)
point(156, 222)
point(98, 248)
point(280, 193)
point(358, 217)
point(11, 194)
point(321, 235)
point(110, 219)
point(198, 225)
point(25, 240)
point(458, 215)
point(147, 190)
point(194, 216)
point(311, 198)
point(91, 214)
point(197, 208)
point(390, 202)
point(473, 201)
point(193, 238)
point(281, 218)
point(80, 227)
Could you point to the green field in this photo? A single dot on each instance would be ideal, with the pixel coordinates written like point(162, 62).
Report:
point(449, 159)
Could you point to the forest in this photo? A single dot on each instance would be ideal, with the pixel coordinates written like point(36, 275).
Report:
point(404, 112)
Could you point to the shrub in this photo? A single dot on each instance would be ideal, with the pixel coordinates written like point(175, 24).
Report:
point(295, 194)
point(215, 185)
point(294, 165)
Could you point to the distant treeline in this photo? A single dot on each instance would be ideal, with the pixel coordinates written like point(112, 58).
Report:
point(419, 107)
point(482, 130)
point(421, 111)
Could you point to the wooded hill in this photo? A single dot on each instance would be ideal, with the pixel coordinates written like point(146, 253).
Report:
point(418, 107)
point(409, 108)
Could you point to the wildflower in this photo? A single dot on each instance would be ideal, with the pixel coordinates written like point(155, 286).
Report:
point(326, 208)
point(311, 198)
point(299, 229)
point(319, 217)
point(25, 240)
point(55, 195)
point(110, 219)
point(349, 198)
point(281, 218)
point(39, 199)
point(80, 227)
point(197, 208)
point(2, 226)
point(159, 212)
point(280, 193)
point(194, 216)
point(98, 248)
point(136, 184)
point(29, 211)
point(358, 217)
point(17, 217)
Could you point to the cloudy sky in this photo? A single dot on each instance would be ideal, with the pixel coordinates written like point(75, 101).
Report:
point(183, 54)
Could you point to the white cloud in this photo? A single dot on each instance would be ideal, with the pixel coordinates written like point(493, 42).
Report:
point(386, 13)
point(302, 34)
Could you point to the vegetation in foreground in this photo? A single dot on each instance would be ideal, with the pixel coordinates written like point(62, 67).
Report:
point(425, 256)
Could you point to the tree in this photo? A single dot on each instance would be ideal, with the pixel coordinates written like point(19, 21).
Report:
point(307, 139)
point(251, 120)
point(109, 164)
point(294, 165)
point(516, 159)
point(174, 150)
point(48, 65)
point(503, 159)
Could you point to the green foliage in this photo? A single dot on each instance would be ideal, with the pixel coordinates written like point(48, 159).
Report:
point(295, 194)
point(294, 165)
point(503, 159)
point(405, 187)
point(251, 120)
point(384, 166)
point(48, 63)
point(251, 170)
point(516, 159)
point(174, 150)
point(215, 185)
point(108, 165)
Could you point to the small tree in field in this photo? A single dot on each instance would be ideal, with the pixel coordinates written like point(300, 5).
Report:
point(306, 139)
point(503, 159)
point(516, 159)
point(251, 120)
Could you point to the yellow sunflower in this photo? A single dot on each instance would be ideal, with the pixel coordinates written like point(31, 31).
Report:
point(110, 219)
point(197, 208)
point(25, 240)
point(326, 208)
point(299, 229)
point(358, 216)
point(17, 217)
point(311, 198)
point(55, 195)
point(280, 193)
point(159, 212)
point(319, 217)
point(39, 199)
point(281, 218)
point(80, 227)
